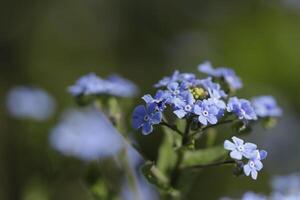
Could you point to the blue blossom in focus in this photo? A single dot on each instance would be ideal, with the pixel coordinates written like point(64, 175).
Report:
point(114, 85)
point(229, 75)
point(86, 134)
point(175, 77)
point(175, 94)
point(27, 102)
point(242, 108)
point(239, 149)
point(266, 106)
point(186, 106)
point(145, 117)
point(254, 165)
point(160, 99)
point(214, 89)
point(207, 112)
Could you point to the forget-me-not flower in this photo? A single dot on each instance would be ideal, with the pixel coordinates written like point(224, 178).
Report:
point(242, 108)
point(214, 89)
point(160, 99)
point(206, 111)
point(186, 107)
point(175, 77)
point(145, 117)
point(254, 164)
point(86, 134)
point(119, 86)
point(229, 75)
point(28, 102)
point(239, 149)
point(266, 106)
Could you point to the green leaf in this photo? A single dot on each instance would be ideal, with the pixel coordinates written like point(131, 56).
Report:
point(203, 156)
point(155, 176)
point(167, 155)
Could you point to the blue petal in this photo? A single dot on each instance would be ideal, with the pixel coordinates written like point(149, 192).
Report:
point(147, 128)
point(229, 145)
point(263, 154)
point(236, 155)
point(180, 113)
point(156, 118)
point(254, 174)
point(202, 120)
point(247, 170)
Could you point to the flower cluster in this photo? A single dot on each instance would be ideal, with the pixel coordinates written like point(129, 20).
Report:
point(240, 150)
point(189, 97)
point(114, 85)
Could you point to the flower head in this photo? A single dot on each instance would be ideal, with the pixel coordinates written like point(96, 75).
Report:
point(239, 149)
point(266, 106)
point(242, 108)
point(186, 106)
point(254, 165)
point(229, 75)
point(206, 111)
point(145, 117)
point(114, 85)
point(28, 102)
point(86, 134)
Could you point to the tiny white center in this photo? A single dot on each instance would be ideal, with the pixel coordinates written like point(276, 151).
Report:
point(251, 164)
point(188, 107)
point(205, 113)
point(240, 148)
point(176, 92)
point(146, 118)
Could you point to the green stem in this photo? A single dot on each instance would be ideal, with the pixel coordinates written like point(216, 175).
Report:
point(227, 162)
point(172, 127)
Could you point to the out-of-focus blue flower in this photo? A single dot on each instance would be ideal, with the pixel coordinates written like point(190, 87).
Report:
point(175, 77)
point(86, 134)
point(114, 85)
point(27, 102)
point(253, 196)
point(242, 108)
point(254, 165)
point(266, 106)
point(239, 149)
point(214, 89)
point(160, 99)
point(287, 183)
point(89, 84)
point(206, 111)
point(229, 75)
point(118, 86)
point(144, 117)
point(186, 107)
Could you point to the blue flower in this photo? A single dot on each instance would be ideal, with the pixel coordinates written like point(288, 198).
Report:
point(119, 86)
point(160, 99)
point(114, 85)
point(186, 107)
point(242, 108)
point(214, 89)
point(28, 102)
point(239, 149)
point(266, 106)
point(89, 84)
point(175, 77)
point(206, 111)
point(229, 75)
point(174, 94)
point(86, 134)
point(254, 164)
point(144, 117)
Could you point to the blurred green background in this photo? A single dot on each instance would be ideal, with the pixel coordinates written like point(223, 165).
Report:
point(51, 43)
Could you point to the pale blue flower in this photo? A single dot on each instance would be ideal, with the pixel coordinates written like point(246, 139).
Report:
point(89, 84)
point(254, 165)
point(160, 99)
point(86, 134)
point(145, 117)
point(239, 149)
point(253, 196)
point(28, 102)
point(175, 77)
point(228, 74)
point(175, 94)
point(207, 112)
point(242, 108)
point(214, 89)
point(186, 107)
point(114, 85)
point(266, 106)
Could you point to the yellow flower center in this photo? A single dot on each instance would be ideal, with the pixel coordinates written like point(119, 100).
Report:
point(198, 93)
